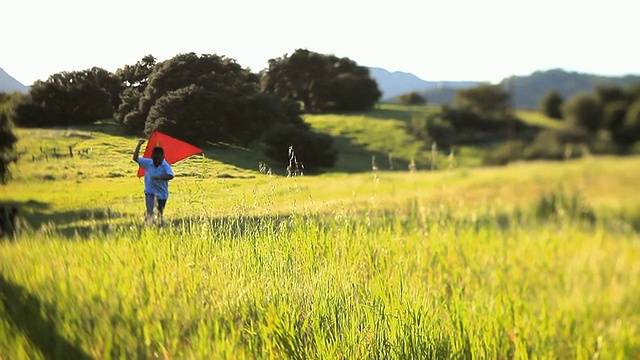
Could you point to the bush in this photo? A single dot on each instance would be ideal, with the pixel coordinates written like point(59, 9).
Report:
point(8, 140)
point(584, 110)
point(411, 98)
point(313, 150)
point(503, 154)
point(433, 128)
point(545, 146)
point(551, 105)
point(629, 132)
point(31, 115)
point(557, 144)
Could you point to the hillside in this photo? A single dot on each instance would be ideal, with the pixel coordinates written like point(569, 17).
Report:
point(102, 165)
point(8, 84)
point(377, 137)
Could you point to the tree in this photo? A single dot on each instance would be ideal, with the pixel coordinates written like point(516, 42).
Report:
point(484, 100)
point(613, 116)
point(348, 92)
point(551, 104)
point(633, 92)
point(411, 98)
point(433, 128)
point(481, 113)
point(199, 97)
point(134, 78)
point(610, 93)
point(584, 110)
point(321, 82)
point(71, 98)
point(8, 140)
point(207, 98)
point(629, 132)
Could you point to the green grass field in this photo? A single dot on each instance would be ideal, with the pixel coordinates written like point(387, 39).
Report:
point(530, 260)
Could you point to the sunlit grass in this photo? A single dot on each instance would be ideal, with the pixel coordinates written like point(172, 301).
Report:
point(419, 281)
point(536, 118)
point(530, 260)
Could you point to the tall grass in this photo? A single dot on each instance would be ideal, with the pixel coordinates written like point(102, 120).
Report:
point(537, 260)
point(419, 280)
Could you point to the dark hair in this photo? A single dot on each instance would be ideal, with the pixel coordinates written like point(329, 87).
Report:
point(158, 151)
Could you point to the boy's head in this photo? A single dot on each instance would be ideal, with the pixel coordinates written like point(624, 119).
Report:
point(157, 155)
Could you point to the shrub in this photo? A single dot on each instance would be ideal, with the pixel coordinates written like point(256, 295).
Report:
point(557, 144)
point(551, 105)
point(313, 150)
point(433, 128)
point(584, 110)
point(411, 98)
point(503, 154)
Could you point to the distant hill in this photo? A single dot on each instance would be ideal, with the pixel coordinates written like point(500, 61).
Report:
point(529, 89)
point(8, 84)
point(392, 84)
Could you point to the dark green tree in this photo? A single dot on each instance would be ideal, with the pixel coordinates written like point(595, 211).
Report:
point(481, 113)
point(321, 82)
point(633, 92)
point(411, 98)
point(71, 98)
point(134, 78)
point(629, 132)
point(613, 116)
point(610, 93)
point(197, 94)
point(8, 140)
point(551, 104)
point(584, 110)
point(210, 98)
point(484, 100)
point(433, 128)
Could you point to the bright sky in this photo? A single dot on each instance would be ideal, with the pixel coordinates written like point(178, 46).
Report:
point(480, 40)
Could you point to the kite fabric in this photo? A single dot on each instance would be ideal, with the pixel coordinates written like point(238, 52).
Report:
point(174, 149)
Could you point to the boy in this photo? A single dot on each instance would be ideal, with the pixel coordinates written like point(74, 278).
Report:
point(156, 180)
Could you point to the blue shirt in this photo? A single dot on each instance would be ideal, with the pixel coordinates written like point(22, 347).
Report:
point(160, 188)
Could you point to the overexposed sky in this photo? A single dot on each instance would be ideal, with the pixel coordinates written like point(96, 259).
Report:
point(479, 40)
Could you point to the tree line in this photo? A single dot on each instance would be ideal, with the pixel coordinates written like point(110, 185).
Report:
point(207, 98)
point(604, 121)
point(607, 118)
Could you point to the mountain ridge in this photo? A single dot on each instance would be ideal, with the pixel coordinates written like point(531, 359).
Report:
point(8, 84)
point(527, 89)
point(395, 83)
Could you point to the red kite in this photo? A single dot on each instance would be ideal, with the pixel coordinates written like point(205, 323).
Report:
point(174, 149)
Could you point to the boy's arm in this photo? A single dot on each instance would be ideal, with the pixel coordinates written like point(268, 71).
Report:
point(168, 174)
point(163, 177)
point(136, 153)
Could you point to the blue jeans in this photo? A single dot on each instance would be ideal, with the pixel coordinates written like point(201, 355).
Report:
point(151, 201)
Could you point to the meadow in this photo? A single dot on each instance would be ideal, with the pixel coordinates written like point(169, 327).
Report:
point(530, 260)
